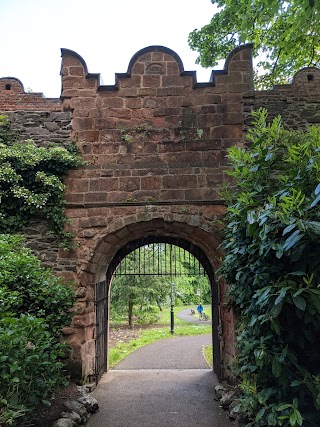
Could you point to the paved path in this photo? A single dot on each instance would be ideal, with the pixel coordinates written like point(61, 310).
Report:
point(164, 384)
point(188, 317)
point(170, 353)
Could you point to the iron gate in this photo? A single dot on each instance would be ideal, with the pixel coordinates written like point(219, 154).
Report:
point(101, 306)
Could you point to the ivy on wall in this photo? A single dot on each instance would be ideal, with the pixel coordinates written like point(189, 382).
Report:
point(272, 262)
point(31, 182)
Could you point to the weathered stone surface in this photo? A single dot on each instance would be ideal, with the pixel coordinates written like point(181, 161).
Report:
point(64, 422)
point(73, 416)
point(90, 403)
point(77, 407)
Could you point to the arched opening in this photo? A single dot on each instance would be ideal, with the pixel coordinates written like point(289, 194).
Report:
point(103, 289)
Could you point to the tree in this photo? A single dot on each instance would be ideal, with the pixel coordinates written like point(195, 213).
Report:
point(285, 35)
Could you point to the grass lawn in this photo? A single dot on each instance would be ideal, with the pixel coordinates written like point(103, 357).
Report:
point(159, 331)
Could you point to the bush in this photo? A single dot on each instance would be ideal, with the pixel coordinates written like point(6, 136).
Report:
point(35, 306)
point(27, 287)
point(272, 263)
point(148, 315)
point(30, 366)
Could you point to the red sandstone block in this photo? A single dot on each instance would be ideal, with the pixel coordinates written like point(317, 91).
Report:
point(134, 81)
point(112, 102)
point(172, 120)
point(107, 124)
point(90, 135)
point(240, 66)
point(149, 172)
point(172, 68)
point(233, 132)
point(151, 81)
point(120, 113)
point(83, 123)
point(171, 91)
point(171, 147)
point(76, 213)
point(76, 71)
point(207, 99)
point(146, 195)
point(233, 118)
point(133, 103)
point(153, 102)
point(208, 109)
point(76, 185)
point(176, 101)
point(233, 98)
point(137, 114)
point(158, 112)
point(145, 57)
point(172, 195)
point(238, 87)
point(74, 198)
point(214, 179)
point(151, 182)
point(147, 91)
point(202, 194)
point(208, 120)
point(138, 68)
point(119, 196)
point(83, 103)
point(95, 197)
point(157, 56)
point(179, 181)
point(104, 184)
point(129, 184)
point(176, 81)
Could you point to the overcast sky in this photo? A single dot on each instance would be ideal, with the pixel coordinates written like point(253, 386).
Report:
point(106, 33)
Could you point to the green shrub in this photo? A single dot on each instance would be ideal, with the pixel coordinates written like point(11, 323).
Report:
point(27, 287)
point(272, 263)
point(34, 307)
point(147, 315)
point(29, 366)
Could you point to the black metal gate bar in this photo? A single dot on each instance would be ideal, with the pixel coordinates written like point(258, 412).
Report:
point(152, 264)
point(101, 305)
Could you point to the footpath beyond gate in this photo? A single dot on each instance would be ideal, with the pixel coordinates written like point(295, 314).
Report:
point(164, 384)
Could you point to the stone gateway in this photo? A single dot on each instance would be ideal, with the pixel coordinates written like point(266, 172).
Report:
point(155, 146)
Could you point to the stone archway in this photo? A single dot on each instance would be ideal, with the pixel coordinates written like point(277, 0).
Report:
point(107, 248)
point(103, 301)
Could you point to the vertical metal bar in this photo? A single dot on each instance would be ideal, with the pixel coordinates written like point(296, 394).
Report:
point(139, 260)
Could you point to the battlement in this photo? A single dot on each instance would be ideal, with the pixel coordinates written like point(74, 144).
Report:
point(14, 98)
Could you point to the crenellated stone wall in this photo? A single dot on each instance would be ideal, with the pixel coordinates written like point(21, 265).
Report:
point(155, 147)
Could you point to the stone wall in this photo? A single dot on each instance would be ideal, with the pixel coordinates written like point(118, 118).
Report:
point(44, 127)
point(14, 98)
point(157, 135)
point(155, 147)
point(298, 103)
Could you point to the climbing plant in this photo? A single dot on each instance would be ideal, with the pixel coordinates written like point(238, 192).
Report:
point(272, 263)
point(31, 182)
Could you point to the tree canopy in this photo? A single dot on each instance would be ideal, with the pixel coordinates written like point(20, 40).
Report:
point(285, 35)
